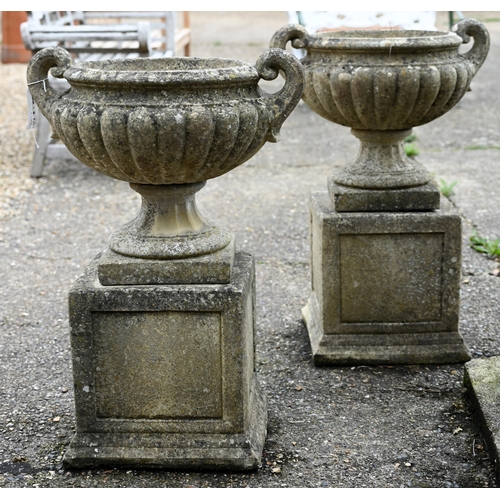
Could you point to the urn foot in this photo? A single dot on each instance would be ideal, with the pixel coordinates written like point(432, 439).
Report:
point(382, 163)
point(169, 225)
point(214, 268)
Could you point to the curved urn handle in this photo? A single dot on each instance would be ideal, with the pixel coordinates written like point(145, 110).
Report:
point(467, 28)
point(38, 71)
point(283, 102)
point(295, 33)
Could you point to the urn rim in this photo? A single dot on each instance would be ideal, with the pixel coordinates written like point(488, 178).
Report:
point(163, 72)
point(383, 40)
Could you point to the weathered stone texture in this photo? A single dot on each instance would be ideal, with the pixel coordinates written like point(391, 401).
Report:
point(213, 268)
point(352, 77)
point(482, 379)
point(169, 226)
point(381, 84)
point(163, 348)
point(386, 263)
point(391, 278)
point(168, 120)
point(165, 126)
point(165, 374)
point(414, 199)
point(380, 280)
point(144, 359)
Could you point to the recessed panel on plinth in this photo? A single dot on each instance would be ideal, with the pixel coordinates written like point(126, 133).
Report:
point(143, 360)
point(391, 278)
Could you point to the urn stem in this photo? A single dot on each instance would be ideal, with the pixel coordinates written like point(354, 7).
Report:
point(169, 225)
point(382, 163)
point(169, 210)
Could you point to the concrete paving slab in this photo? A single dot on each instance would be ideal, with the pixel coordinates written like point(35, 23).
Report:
point(482, 378)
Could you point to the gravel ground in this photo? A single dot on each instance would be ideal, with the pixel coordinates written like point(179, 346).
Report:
point(355, 427)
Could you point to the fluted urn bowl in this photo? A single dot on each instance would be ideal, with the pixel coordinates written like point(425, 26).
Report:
point(165, 125)
point(383, 83)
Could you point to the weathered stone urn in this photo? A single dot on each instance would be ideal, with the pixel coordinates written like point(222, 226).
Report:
point(165, 123)
point(385, 245)
point(383, 83)
point(162, 324)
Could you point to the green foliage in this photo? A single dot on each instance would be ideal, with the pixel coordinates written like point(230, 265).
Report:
point(484, 245)
point(411, 150)
point(447, 189)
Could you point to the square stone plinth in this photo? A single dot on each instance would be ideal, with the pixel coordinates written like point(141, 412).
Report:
point(482, 380)
point(164, 375)
point(116, 269)
point(385, 286)
point(348, 199)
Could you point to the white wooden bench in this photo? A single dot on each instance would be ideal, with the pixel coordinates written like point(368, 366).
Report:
point(98, 35)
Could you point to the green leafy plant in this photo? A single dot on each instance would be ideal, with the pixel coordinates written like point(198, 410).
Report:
point(484, 245)
point(446, 189)
point(411, 150)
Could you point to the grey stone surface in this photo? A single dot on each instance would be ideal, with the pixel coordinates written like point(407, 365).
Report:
point(169, 225)
point(385, 286)
point(329, 427)
point(116, 269)
point(164, 375)
point(367, 64)
point(382, 162)
point(166, 120)
point(348, 199)
point(482, 379)
point(166, 126)
point(381, 84)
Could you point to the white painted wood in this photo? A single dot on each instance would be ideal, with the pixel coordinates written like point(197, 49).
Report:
point(407, 20)
point(95, 36)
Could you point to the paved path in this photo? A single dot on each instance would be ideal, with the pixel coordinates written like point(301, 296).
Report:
point(382, 426)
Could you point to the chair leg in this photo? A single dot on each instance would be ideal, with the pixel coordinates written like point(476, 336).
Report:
point(43, 139)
